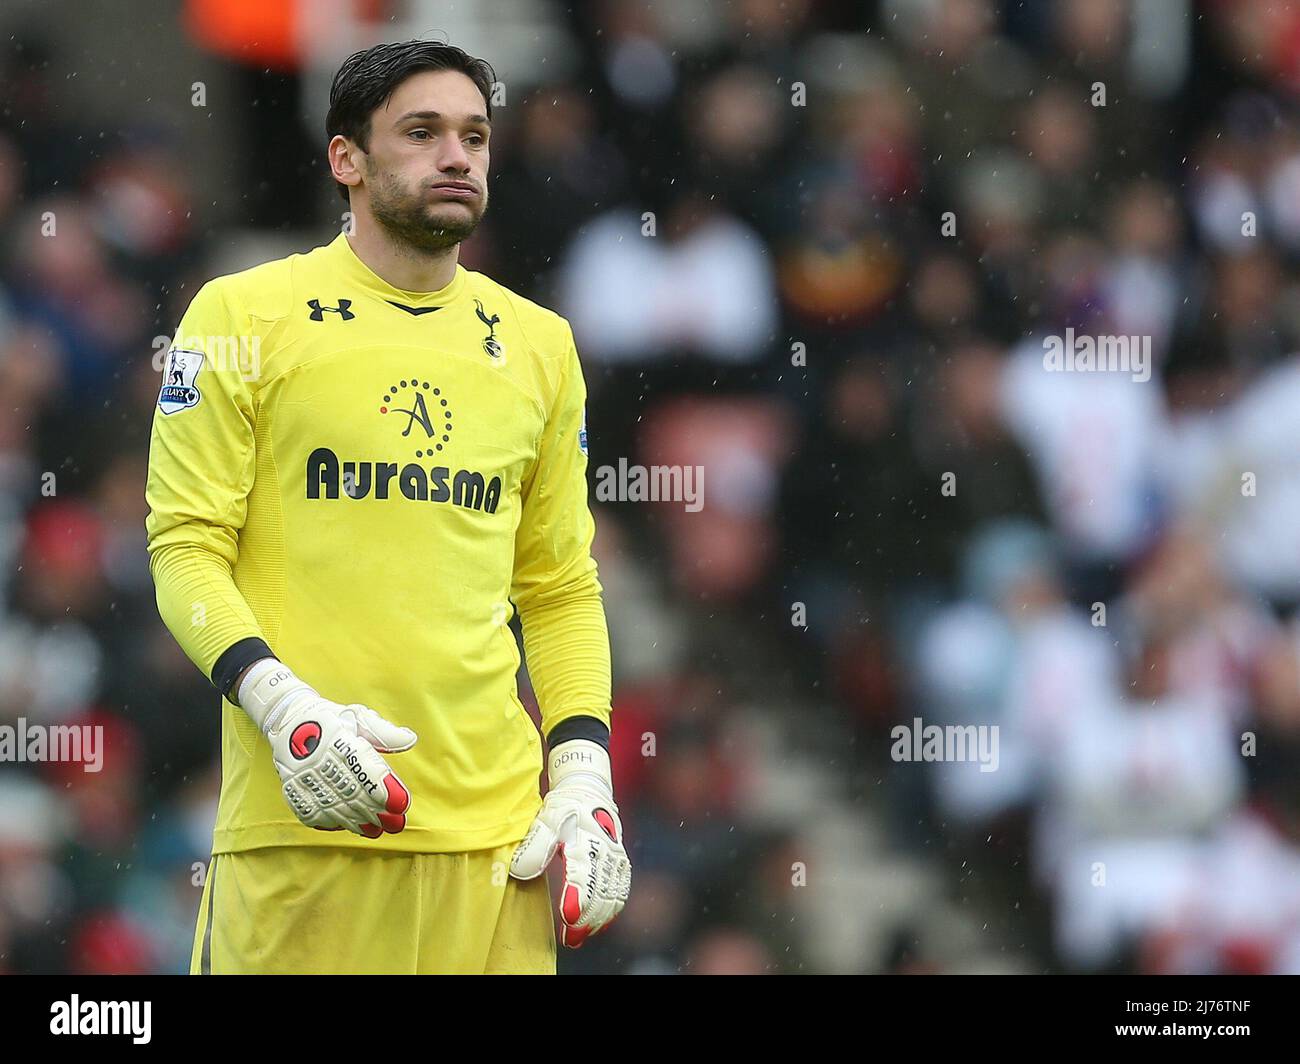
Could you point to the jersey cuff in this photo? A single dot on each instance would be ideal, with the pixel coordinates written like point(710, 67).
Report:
point(579, 728)
point(234, 660)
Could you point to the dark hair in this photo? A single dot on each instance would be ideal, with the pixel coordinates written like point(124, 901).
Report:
point(367, 80)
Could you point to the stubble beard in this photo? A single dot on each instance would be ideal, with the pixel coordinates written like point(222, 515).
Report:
point(410, 220)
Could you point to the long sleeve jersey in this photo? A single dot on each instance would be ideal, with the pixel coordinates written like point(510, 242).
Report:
point(368, 482)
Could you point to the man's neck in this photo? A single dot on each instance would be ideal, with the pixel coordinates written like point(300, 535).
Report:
point(399, 264)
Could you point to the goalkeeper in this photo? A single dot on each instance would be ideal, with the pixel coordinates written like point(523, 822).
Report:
point(361, 457)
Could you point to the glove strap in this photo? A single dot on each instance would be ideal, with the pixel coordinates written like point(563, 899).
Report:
point(579, 757)
point(267, 691)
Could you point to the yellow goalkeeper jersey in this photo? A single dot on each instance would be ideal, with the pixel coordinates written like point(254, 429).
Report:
point(371, 481)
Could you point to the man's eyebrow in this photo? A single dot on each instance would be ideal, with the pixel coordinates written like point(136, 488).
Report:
point(429, 116)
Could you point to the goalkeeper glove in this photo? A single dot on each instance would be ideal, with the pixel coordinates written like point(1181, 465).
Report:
point(327, 754)
point(579, 820)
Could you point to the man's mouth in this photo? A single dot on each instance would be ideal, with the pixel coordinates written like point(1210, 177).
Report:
point(455, 190)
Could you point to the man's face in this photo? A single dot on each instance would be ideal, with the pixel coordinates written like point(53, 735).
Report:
point(426, 169)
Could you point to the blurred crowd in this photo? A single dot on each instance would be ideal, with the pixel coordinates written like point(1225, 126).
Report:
point(864, 221)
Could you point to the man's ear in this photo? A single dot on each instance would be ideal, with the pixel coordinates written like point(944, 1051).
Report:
point(345, 161)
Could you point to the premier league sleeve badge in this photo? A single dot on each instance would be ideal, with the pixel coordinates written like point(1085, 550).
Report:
point(179, 392)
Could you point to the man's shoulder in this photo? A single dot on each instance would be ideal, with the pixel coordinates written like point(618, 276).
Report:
point(544, 330)
point(265, 290)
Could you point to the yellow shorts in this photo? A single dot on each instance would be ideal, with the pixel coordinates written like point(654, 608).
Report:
point(316, 910)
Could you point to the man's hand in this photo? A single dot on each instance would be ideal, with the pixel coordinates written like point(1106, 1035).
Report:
point(327, 754)
point(579, 820)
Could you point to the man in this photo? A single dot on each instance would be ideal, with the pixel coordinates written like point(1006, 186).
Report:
point(361, 456)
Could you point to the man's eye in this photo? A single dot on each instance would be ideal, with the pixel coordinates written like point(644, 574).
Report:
point(419, 134)
point(476, 140)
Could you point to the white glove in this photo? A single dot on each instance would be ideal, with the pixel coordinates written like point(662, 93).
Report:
point(579, 820)
point(327, 754)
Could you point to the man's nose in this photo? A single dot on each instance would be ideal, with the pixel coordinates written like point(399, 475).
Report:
point(453, 156)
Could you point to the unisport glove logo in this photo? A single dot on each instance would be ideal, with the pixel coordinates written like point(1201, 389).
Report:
point(304, 740)
point(354, 764)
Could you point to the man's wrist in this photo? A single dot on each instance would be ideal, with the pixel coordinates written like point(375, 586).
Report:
point(266, 690)
point(231, 667)
point(240, 678)
point(579, 757)
point(582, 726)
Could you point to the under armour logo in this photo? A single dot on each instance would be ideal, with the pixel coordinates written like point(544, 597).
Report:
point(318, 312)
